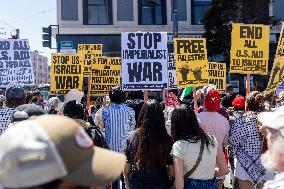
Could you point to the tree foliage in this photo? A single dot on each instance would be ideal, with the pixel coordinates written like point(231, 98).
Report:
point(219, 18)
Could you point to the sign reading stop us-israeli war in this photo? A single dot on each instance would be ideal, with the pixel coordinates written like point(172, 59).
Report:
point(66, 73)
point(172, 72)
point(144, 60)
point(106, 73)
point(277, 72)
point(191, 62)
point(250, 49)
point(15, 63)
point(90, 52)
point(217, 75)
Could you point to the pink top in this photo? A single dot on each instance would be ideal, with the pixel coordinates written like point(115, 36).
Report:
point(215, 124)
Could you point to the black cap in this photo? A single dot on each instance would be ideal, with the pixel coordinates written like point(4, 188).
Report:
point(15, 93)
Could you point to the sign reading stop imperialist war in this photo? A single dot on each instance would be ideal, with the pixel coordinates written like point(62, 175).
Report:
point(15, 63)
point(217, 75)
point(144, 60)
point(106, 73)
point(191, 62)
point(250, 49)
point(172, 72)
point(90, 52)
point(277, 72)
point(66, 73)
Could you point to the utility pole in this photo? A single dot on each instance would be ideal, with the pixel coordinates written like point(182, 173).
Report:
point(17, 33)
point(175, 19)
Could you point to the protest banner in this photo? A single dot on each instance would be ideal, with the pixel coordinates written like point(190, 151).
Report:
point(90, 52)
point(5, 118)
point(277, 72)
point(15, 63)
point(144, 60)
point(66, 73)
point(250, 49)
point(106, 73)
point(172, 72)
point(217, 75)
point(191, 62)
point(280, 88)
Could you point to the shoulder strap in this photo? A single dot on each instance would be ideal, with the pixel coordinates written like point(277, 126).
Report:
point(189, 173)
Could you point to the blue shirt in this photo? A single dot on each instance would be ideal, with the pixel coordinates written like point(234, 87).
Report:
point(119, 121)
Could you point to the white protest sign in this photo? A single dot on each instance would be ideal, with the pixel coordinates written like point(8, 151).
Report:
point(172, 72)
point(5, 118)
point(15, 63)
point(144, 60)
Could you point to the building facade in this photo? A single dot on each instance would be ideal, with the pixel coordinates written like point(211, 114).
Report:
point(102, 21)
point(40, 67)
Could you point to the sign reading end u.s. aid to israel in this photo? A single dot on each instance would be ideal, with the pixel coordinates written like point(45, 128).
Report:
point(15, 63)
point(250, 49)
point(144, 60)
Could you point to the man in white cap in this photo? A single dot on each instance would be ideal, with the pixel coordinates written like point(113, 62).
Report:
point(273, 159)
point(54, 152)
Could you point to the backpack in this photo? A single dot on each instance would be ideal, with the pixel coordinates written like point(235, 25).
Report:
point(98, 138)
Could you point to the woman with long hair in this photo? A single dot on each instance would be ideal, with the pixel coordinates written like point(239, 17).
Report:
point(148, 148)
point(196, 154)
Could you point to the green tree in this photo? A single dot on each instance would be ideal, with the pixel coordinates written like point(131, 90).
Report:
point(219, 18)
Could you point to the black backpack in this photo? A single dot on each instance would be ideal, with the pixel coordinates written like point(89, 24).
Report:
point(98, 138)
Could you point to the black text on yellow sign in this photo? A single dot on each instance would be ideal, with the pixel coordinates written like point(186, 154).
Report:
point(66, 73)
point(90, 52)
point(277, 72)
point(250, 49)
point(106, 73)
point(217, 75)
point(191, 62)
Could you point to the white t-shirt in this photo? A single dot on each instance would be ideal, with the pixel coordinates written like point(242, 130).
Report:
point(189, 153)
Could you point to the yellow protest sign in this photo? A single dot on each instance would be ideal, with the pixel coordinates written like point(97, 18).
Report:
point(90, 52)
point(277, 72)
point(217, 75)
point(250, 49)
point(191, 62)
point(66, 73)
point(106, 73)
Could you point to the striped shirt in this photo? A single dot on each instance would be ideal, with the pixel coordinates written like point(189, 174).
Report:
point(119, 121)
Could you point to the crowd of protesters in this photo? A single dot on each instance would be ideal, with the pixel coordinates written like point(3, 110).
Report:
point(131, 144)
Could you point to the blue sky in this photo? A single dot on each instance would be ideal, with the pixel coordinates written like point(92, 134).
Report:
point(29, 16)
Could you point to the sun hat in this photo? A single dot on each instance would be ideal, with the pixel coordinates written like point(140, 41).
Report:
point(212, 100)
point(25, 111)
point(274, 120)
point(53, 147)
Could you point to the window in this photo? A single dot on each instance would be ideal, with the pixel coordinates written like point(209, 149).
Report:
point(182, 9)
point(199, 8)
point(97, 12)
point(152, 12)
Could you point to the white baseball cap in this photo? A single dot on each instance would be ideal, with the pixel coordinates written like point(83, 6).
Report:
point(51, 147)
point(274, 120)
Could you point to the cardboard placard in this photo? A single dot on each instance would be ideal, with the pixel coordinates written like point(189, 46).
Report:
point(15, 63)
point(90, 52)
point(106, 73)
point(66, 73)
point(250, 49)
point(144, 60)
point(191, 62)
point(217, 75)
point(277, 72)
point(172, 72)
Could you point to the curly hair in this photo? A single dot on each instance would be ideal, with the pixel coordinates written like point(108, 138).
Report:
point(255, 101)
point(153, 142)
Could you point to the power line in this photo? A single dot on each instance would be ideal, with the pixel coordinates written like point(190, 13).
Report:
point(7, 24)
point(33, 15)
